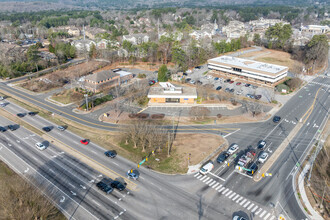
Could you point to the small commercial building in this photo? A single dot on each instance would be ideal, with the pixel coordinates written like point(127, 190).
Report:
point(168, 93)
point(249, 69)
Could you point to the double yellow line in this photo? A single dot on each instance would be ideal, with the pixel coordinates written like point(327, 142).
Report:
point(310, 110)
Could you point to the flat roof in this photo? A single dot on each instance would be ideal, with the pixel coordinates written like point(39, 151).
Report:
point(123, 73)
point(248, 64)
point(160, 92)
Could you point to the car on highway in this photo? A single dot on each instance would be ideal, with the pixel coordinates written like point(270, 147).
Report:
point(262, 157)
point(40, 146)
point(238, 83)
point(32, 113)
point(110, 153)
point(61, 128)
point(104, 185)
point(262, 144)
point(222, 157)
point(3, 129)
point(206, 168)
point(47, 129)
point(21, 115)
point(12, 127)
point(276, 119)
point(233, 148)
point(219, 88)
point(133, 174)
point(84, 141)
point(118, 185)
point(252, 169)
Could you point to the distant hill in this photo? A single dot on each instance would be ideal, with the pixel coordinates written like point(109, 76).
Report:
point(32, 5)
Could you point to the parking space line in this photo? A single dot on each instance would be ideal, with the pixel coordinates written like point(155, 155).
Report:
point(232, 195)
point(250, 206)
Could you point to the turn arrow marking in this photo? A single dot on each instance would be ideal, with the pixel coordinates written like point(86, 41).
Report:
point(62, 200)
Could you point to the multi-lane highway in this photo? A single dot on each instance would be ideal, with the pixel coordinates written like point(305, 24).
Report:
point(216, 195)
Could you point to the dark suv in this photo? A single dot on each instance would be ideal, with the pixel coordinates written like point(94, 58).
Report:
point(252, 169)
point(276, 119)
point(118, 185)
point(12, 127)
point(104, 187)
point(2, 129)
point(222, 157)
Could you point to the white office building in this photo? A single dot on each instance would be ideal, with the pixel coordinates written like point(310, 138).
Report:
point(249, 69)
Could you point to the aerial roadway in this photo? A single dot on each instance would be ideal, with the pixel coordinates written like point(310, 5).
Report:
point(67, 170)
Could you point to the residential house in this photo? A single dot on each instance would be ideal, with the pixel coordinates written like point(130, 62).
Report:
point(136, 38)
point(98, 81)
point(177, 35)
point(199, 34)
point(83, 44)
point(73, 31)
point(311, 30)
point(261, 22)
point(102, 44)
point(91, 32)
point(234, 29)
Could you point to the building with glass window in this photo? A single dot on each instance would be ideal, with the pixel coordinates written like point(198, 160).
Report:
point(168, 93)
point(249, 69)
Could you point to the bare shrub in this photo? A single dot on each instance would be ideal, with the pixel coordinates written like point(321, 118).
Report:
point(199, 112)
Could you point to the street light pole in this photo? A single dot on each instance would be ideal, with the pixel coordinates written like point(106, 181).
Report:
point(86, 96)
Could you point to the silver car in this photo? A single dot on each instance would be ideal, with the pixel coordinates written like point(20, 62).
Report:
point(263, 156)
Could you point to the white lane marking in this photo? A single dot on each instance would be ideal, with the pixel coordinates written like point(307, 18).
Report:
point(221, 189)
point(71, 185)
point(263, 213)
point(228, 193)
point(242, 202)
point(215, 185)
point(267, 216)
point(225, 191)
point(115, 164)
point(218, 187)
point(206, 179)
point(96, 202)
point(231, 133)
point(73, 193)
point(116, 217)
point(121, 213)
point(82, 186)
point(232, 195)
point(211, 184)
point(250, 206)
point(203, 178)
point(51, 170)
point(63, 199)
point(254, 209)
point(239, 199)
point(217, 176)
point(93, 152)
point(235, 197)
point(18, 141)
point(246, 204)
point(27, 169)
point(280, 133)
point(196, 174)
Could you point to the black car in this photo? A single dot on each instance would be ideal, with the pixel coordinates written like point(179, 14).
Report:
point(110, 153)
point(118, 185)
point(262, 144)
point(12, 127)
point(32, 113)
point(2, 129)
point(258, 97)
point(222, 157)
point(21, 115)
point(188, 79)
point(104, 187)
point(185, 74)
point(218, 88)
point(47, 129)
point(276, 119)
point(227, 90)
point(232, 90)
point(247, 85)
point(198, 67)
point(252, 169)
point(227, 80)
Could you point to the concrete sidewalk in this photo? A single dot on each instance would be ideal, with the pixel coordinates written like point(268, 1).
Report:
point(301, 185)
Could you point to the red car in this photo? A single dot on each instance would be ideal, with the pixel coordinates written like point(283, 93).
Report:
point(237, 84)
point(231, 82)
point(85, 141)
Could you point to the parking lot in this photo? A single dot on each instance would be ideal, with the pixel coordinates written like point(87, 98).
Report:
point(235, 86)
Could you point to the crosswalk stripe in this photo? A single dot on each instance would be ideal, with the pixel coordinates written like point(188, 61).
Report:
point(199, 177)
point(215, 185)
point(211, 184)
point(196, 174)
point(272, 218)
point(260, 209)
point(228, 193)
point(221, 189)
point(242, 202)
point(225, 191)
point(235, 197)
point(250, 206)
point(267, 216)
point(206, 179)
point(246, 204)
point(263, 213)
point(237, 201)
point(254, 209)
point(218, 187)
point(207, 182)
point(232, 195)
point(203, 178)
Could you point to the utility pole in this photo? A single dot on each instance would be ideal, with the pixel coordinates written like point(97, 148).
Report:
point(317, 150)
point(86, 96)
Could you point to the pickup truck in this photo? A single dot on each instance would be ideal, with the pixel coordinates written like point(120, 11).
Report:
point(245, 160)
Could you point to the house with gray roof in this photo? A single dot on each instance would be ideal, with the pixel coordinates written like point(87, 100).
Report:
point(98, 81)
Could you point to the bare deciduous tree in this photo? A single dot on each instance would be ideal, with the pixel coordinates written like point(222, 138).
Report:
point(199, 112)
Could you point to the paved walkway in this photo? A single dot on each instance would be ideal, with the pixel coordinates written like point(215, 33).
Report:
point(301, 184)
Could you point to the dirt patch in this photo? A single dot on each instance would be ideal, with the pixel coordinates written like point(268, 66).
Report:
point(67, 96)
point(140, 65)
point(60, 77)
point(195, 145)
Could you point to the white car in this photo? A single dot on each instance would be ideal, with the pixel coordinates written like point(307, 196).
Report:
point(206, 168)
point(40, 146)
point(1, 98)
point(192, 81)
point(239, 92)
point(263, 156)
point(2, 104)
point(233, 148)
point(209, 77)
